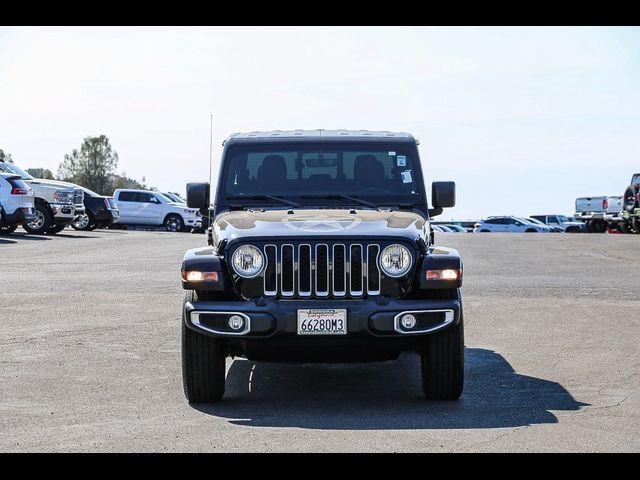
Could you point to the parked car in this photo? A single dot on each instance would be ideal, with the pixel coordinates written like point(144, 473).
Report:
point(631, 206)
point(57, 203)
point(100, 212)
point(509, 223)
point(316, 257)
point(17, 204)
point(599, 213)
point(456, 228)
point(553, 228)
point(143, 207)
point(560, 223)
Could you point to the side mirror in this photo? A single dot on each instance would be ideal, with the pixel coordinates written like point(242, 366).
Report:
point(198, 195)
point(443, 195)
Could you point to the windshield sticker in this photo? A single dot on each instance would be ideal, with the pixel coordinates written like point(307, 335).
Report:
point(392, 154)
point(402, 160)
point(406, 176)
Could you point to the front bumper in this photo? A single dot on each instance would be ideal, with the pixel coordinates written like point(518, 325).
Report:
point(63, 213)
point(373, 329)
point(193, 222)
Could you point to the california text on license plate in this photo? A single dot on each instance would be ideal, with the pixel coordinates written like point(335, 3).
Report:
point(322, 321)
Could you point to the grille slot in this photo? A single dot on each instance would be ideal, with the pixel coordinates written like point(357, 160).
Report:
point(304, 270)
point(287, 271)
point(356, 270)
point(270, 271)
point(339, 271)
point(323, 270)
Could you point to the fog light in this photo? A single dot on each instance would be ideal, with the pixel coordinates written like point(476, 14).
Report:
point(408, 321)
point(236, 322)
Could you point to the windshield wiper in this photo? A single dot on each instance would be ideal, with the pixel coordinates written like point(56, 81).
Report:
point(345, 197)
point(265, 197)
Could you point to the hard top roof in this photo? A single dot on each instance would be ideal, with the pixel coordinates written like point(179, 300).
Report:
point(319, 135)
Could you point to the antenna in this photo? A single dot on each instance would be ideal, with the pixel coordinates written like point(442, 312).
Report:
point(210, 229)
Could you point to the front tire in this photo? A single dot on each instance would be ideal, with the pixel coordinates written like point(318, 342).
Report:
point(203, 363)
point(84, 222)
point(42, 222)
point(174, 223)
point(443, 363)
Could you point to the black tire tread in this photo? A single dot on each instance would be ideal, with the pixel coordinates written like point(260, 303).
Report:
point(442, 362)
point(203, 364)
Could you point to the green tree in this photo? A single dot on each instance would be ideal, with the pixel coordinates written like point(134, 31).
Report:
point(122, 181)
point(41, 173)
point(92, 166)
point(5, 157)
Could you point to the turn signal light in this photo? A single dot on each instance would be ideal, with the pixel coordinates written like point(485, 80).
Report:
point(195, 276)
point(448, 274)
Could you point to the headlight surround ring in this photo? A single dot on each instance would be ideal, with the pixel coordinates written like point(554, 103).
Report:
point(247, 261)
point(395, 260)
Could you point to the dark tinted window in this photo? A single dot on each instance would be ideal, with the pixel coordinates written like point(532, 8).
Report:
point(493, 221)
point(127, 197)
point(373, 171)
point(147, 198)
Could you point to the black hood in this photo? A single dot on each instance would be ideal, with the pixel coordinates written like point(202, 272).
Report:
point(321, 224)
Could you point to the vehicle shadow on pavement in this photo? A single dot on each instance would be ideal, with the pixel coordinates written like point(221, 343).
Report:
point(385, 396)
point(23, 236)
point(4, 241)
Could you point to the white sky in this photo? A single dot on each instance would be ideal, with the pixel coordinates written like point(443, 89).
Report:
point(523, 119)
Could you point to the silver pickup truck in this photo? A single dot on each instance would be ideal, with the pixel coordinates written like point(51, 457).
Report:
point(57, 203)
point(598, 212)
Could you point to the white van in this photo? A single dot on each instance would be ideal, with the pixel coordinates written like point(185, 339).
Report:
point(17, 202)
point(143, 207)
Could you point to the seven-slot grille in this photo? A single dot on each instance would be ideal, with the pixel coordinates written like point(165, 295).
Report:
point(337, 270)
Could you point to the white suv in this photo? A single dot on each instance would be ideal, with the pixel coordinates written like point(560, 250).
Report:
point(143, 207)
point(17, 204)
point(509, 224)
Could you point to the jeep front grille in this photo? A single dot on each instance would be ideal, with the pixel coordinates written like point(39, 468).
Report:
point(322, 270)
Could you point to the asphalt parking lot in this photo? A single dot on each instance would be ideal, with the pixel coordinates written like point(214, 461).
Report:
point(90, 356)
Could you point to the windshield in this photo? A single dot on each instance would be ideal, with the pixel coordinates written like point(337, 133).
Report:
point(174, 198)
point(166, 197)
point(11, 168)
point(563, 219)
point(381, 173)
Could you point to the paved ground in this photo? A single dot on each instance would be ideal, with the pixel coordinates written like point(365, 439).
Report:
point(90, 360)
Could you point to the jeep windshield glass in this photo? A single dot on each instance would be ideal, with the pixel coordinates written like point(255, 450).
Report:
point(323, 173)
point(11, 168)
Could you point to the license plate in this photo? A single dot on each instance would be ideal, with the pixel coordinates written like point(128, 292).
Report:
point(322, 321)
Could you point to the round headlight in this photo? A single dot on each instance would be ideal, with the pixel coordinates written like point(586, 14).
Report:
point(395, 260)
point(247, 261)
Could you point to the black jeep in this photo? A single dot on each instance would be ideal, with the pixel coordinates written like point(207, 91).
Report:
point(321, 251)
